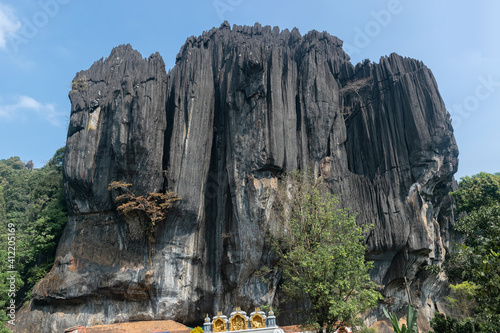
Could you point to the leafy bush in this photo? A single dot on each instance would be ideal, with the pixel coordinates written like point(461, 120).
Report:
point(445, 324)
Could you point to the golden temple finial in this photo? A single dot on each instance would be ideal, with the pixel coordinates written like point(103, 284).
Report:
point(238, 308)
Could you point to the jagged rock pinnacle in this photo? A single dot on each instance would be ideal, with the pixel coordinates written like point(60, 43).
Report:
point(241, 105)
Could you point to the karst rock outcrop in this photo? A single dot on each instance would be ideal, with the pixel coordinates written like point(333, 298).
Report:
point(240, 106)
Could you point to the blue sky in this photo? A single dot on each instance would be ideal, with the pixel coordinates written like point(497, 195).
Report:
point(44, 43)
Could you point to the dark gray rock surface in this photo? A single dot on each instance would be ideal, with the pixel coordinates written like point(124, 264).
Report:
point(240, 106)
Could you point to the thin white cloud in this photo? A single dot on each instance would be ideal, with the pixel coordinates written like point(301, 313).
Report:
point(9, 24)
point(22, 106)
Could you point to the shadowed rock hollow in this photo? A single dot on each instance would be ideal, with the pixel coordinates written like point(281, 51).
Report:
point(240, 106)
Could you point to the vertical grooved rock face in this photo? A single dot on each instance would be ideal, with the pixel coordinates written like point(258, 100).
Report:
point(241, 106)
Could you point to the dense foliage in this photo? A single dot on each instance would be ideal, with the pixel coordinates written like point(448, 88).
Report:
point(475, 263)
point(446, 324)
point(321, 253)
point(32, 217)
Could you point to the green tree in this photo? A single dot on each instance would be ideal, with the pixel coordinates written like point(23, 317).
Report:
point(477, 259)
point(462, 299)
point(321, 253)
point(478, 191)
point(32, 201)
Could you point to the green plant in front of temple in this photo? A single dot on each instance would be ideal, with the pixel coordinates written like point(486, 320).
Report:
point(321, 253)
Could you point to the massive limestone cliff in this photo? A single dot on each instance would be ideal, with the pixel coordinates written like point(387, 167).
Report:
point(241, 106)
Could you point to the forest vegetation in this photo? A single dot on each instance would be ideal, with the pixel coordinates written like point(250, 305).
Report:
point(32, 217)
